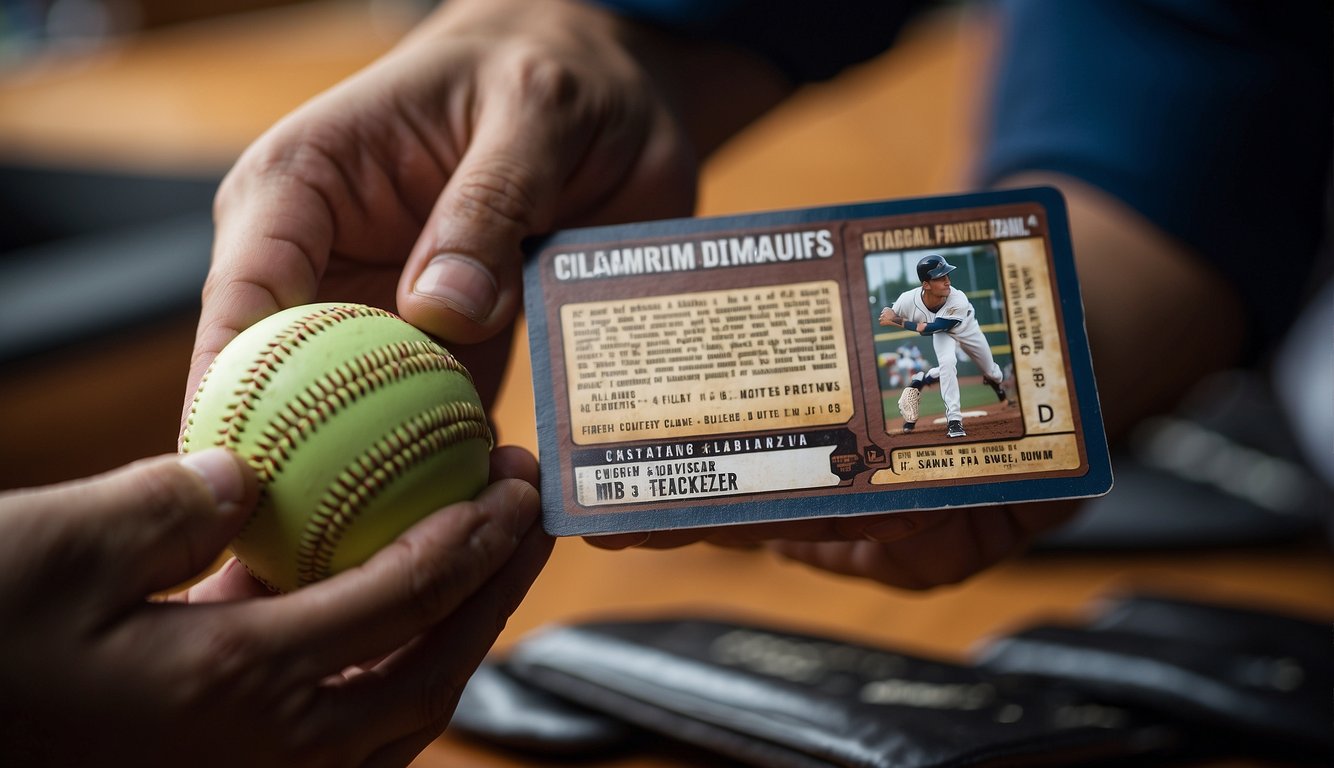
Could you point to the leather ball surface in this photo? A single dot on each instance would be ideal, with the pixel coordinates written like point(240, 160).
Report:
point(358, 425)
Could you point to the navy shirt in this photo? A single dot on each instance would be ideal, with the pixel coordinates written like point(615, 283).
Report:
point(1212, 118)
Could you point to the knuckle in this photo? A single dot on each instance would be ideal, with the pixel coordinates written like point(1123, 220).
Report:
point(438, 574)
point(230, 652)
point(300, 745)
point(948, 571)
point(910, 583)
point(511, 595)
point(915, 578)
point(544, 79)
point(276, 152)
point(424, 597)
point(438, 702)
point(304, 164)
point(891, 564)
point(226, 195)
point(226, 666)
point(165, 498)
point(304, 156)
point(432, 592)
point(256, 162)
point(497, 193)
point(428, 594)
point(51, 556)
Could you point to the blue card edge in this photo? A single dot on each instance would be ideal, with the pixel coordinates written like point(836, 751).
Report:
point(1095, 482)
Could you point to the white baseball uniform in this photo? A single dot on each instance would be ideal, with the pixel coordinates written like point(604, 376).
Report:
point(966, 335)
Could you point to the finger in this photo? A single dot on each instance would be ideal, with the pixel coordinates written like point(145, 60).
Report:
point(230, 582)
point(886, 527)
point(233, 582)
point(511, 461)
point(462, 280)
point(881, 528)
point(616, 541)
point(660, 180)
point(140, 529)
point(750, 534)
point(915, 562)
point(958, 545)
point(418, 689)
point(731, 535)
point(1037, 518)
point(891, 527)
point(863, 559)
point(421, 577)
point(272, 238)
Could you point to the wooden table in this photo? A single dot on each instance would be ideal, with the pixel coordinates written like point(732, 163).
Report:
point(189, 98)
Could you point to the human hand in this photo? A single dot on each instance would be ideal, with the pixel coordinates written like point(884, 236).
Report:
point(361, 669)
point(912, 550)
point(411, 185)
point(889, 317)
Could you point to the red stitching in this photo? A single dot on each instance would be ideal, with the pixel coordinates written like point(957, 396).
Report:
point(277, 350)
point(362, 480)
point(314, 406)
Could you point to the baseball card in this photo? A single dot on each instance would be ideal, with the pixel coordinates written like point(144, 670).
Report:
point(847, 360)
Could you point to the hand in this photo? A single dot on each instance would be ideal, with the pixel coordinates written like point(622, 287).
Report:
point(92, 670)
point(889, 317)
point(912, 550)
point(411, 185)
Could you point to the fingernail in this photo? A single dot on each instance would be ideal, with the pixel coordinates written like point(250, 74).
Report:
point(889, 530)
point(620, 540)
point(220, 472)
point(639, 540)
point(461, 282)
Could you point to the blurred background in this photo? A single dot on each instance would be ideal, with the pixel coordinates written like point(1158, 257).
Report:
point(119, 117)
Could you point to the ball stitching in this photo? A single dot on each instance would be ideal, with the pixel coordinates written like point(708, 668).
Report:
point(282, 346)
point(402, 448)
point(311, 408)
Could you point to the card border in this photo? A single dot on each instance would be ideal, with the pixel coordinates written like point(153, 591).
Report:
point(1095, 482)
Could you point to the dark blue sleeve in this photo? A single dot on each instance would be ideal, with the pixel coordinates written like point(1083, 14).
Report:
point(936, 326)
point(808, 41)
point(1212, 118)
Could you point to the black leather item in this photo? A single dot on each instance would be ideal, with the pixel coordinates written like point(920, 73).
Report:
point(1229, 627)
point(498, 709)
point(779, 699)
point(1248, 681)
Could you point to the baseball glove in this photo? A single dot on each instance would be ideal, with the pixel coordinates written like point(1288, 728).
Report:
point(908, 403)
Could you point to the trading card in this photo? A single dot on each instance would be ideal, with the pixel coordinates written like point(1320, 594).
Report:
point(868, 358)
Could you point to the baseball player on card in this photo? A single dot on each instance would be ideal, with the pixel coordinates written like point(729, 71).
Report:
point(944, 313)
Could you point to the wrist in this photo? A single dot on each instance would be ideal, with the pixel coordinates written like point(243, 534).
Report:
point(578, 23)
point(714, 89)
point(542, 14)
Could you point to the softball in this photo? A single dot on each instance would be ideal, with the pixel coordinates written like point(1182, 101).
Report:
point(357, 424)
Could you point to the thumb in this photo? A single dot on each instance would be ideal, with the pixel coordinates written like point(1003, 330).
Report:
point(139, 529)
point(463, 280)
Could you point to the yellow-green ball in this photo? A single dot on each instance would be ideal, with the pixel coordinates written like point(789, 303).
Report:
point(358, 426)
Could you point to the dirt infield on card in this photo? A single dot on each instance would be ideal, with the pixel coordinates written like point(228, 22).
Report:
point(992, 421)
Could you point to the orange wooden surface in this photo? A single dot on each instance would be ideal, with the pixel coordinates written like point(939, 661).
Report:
point(191, 97)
